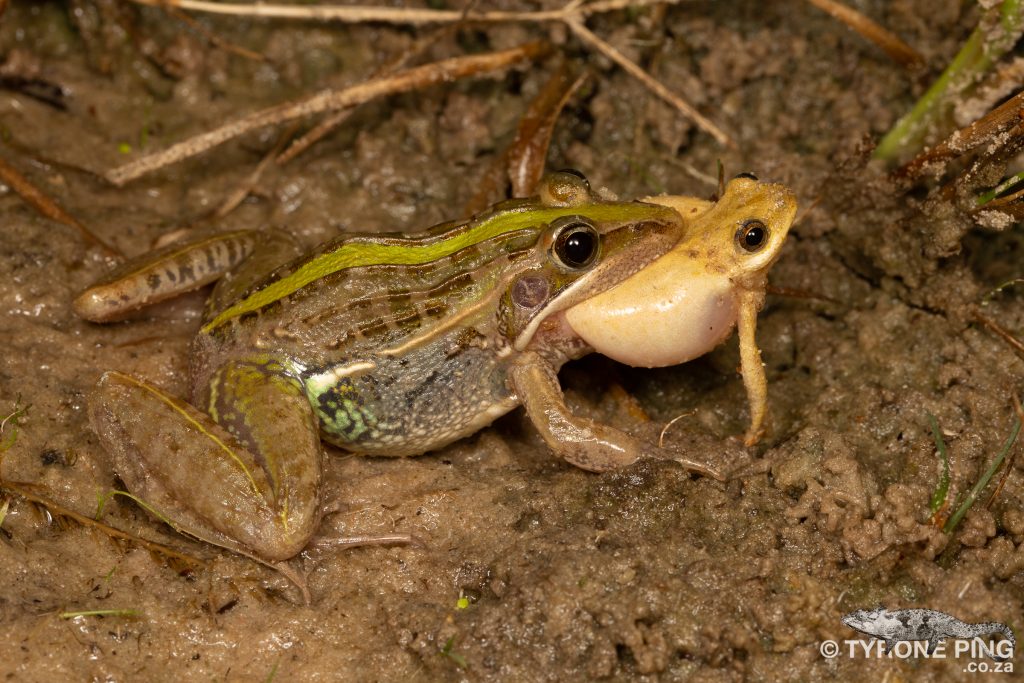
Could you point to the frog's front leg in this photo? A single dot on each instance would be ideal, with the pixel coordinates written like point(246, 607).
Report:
point(751, 367)
point(583, 442)
point(248, 482)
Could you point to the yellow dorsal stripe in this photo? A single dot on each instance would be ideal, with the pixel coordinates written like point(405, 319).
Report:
point(357, 254)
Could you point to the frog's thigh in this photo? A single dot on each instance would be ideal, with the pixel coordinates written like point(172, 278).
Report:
point(204, 481)
point(581, 441)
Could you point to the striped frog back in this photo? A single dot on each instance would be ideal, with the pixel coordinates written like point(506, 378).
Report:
point(366, 292)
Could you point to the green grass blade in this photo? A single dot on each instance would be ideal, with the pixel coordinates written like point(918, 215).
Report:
point(976, 57)
point(942, 490)
point(976, 490)
point(102, 501)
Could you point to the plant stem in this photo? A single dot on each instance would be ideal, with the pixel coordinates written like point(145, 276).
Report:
point(976, 490)
point(989, 41)
point(938, 500)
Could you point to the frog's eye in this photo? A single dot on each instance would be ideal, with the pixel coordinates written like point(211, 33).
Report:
point(748, 175)
point(752, 235)
point(576, 244)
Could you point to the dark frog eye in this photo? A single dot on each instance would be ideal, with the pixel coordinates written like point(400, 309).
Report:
point(752, 235)
point(577, 244)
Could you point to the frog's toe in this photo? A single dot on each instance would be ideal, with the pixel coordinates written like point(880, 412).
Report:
point(752, 437)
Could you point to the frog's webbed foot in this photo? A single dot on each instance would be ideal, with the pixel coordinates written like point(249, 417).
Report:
point(583, 442)
point(253, 492)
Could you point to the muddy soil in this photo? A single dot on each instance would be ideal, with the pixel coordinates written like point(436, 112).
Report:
point(648, 573)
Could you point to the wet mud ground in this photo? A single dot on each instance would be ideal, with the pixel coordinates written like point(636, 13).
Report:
point(647, 573)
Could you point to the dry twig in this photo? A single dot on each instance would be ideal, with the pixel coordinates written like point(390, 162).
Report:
point(1000, 26)
point(280, 156)
point(587, 36)
point(522, 161)
point(997, 121)
point(38, 200)
point(1009, 462)
point(1000, 332)
point(62, 511)
point(214, 39)
point(358, 14)
point(888, 41)
point(335, 119)
point(242, 190)
point(409, 79)
point(527, 156)
point(797, 293)
point(572, 14)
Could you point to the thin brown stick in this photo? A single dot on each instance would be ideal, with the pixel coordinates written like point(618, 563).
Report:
point(38, 200)
point(522, 161)
point(403, 81)
point(212, 37)
point(892, 44)
point(332, 121)
point(242, 190)
point(356, 14)
point(1008, 465)
point(1006, 336)
point(53, 507)
point(999, 202)
point(318, 132)
point(655, 86)
point(572, 14)
point(806, 211)
point(964, 140)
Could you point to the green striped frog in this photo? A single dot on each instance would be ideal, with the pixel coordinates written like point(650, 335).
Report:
point(397, 344)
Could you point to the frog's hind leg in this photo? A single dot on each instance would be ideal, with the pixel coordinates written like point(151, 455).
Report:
point(182, 267)
point(249, 484)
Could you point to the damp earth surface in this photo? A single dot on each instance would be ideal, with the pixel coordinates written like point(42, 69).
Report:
point(524, 568)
